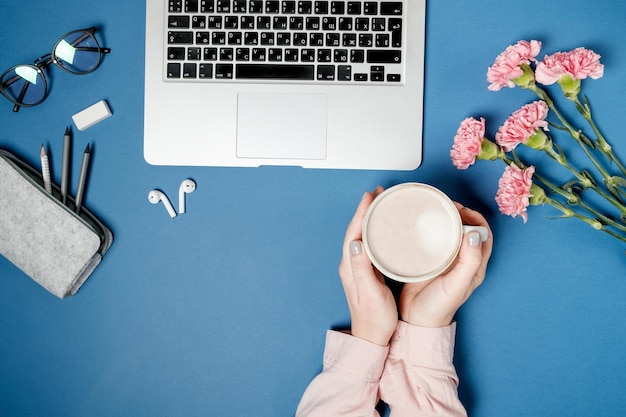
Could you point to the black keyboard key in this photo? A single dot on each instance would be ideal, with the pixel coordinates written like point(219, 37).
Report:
point(354, 7)
point(305, 7)
point(384, 56)
point(370, 8)
point(198, 22)
point(321, 7)
point(239, 6)
point(360, 77)
point(179, 37)
point(313, 23)
point(395, 25)
point(275, 55)
point(191, 6)
point(259, 54)
point(227, 54)
point(337, 7)
point(194, 54)
point(178, 22)
point(289, 7)
point(176, 53)
point(173, 70)
point(357, 56)
point(344, 73)
point(391, 8)
point(223, 6)
point(242, 54)
point(175, 6)
point(274, 71)
point(382, 40)
point(205, 71)
point(377, 73)
point(207, 6)
point(300, 39)
point(272, 6)
point(223, 71)
point(326, 73)
point(189, 70)
point(291, 55)
point(210, 54)
point(393, 78)
point(255, 6)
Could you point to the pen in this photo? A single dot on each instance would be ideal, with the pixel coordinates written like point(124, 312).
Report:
point(82, 178)
point(66, 165)
point(45, 170)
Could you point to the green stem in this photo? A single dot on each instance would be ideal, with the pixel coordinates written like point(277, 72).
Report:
point(599, 220)
point(573, 133)
point(607, 149)
point(596, 224)
point(585, 182)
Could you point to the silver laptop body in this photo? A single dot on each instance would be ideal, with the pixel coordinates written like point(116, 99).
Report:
point(317, 84)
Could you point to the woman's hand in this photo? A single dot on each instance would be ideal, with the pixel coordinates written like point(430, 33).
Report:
point(433, 303)
point(372, 306)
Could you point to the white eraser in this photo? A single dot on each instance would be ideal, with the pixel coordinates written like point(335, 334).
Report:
point(91, 115)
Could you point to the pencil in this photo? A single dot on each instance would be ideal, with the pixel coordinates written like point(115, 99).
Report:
point(80, 190)
point(65, 173)
point(45, 170)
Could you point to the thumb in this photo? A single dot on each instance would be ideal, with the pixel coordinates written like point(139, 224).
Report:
point(470, 261)
point(362, 269)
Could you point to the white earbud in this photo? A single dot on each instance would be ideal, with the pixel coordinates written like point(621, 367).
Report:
point(155, 196)
point(186, 187)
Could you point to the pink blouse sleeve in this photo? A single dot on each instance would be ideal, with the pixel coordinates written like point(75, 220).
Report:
point(419, 378)
point(348, 383)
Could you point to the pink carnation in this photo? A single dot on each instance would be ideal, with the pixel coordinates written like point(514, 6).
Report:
point(513, 196)
point(507, 65)
point(578, 64)
point(467, 142)
point(522, 124)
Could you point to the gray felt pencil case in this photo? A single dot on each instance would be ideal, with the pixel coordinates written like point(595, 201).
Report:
point(46, 239)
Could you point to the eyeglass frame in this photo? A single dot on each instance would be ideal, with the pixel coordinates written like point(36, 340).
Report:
point(45, 61)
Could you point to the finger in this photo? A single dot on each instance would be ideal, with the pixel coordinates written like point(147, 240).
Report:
point(353, 233)
point(467, 273)
point(354, 230)
point(474, 218)
point(362, 269)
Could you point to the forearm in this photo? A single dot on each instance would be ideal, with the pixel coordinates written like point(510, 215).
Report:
point(419, 378)
point(348, 384)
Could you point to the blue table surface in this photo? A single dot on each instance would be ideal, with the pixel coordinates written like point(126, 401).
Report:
point(223, 311)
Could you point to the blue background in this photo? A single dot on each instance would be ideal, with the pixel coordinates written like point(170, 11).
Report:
point(223, 311)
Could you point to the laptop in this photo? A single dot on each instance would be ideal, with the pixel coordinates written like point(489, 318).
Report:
point(315, 84)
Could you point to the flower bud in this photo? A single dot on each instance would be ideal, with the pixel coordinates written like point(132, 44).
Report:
point(527, 79)
point(538, 195)
point(489, 151)
point(570, 86)
point(539, 140)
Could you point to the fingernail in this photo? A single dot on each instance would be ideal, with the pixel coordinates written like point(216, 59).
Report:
point(474, 239)
point(355, 247)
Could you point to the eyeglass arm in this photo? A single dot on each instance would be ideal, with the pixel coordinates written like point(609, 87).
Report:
point(16, 107)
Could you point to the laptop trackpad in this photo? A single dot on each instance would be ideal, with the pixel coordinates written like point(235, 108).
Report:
point(281, 126)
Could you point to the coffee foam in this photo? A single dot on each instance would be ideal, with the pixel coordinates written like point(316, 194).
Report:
point(413, 231)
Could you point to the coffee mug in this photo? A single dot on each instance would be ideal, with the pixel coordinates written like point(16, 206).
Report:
point(412, 232)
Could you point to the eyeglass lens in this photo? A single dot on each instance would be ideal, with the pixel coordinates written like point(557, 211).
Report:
point(24, 84)
point(77, 52)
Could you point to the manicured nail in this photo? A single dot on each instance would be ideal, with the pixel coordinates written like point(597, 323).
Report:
point(474, 239)
point(355, 247)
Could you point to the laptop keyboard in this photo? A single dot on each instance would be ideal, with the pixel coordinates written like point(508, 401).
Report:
point(285, 41)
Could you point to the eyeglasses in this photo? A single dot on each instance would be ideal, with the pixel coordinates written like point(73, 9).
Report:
point(76, 52)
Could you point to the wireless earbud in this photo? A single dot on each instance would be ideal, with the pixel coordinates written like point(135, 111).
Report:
point(155, 196)
point(186, 187)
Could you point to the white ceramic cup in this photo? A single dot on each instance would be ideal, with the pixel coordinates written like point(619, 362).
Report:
point(412, 232)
